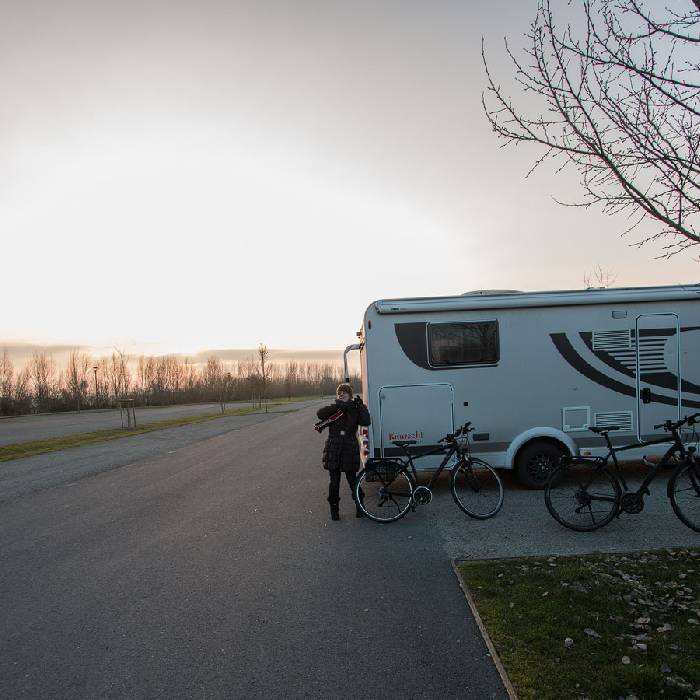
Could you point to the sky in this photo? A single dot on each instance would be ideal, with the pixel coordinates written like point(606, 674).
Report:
point(181, 175)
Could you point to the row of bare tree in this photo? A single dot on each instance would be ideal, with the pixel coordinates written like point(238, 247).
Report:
point(86, 382)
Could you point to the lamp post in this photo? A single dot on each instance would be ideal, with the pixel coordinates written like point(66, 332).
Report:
point(94, 369)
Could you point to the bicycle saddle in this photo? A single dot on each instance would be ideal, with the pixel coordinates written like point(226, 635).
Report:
point(403, 443)
point(606, 429)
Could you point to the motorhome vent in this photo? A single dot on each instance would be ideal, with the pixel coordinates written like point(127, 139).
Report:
point(623, 419)
point(652, 351)
point(576, 418)
point(612, 341)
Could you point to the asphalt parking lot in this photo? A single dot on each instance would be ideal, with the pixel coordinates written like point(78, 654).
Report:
point(525, 528)
point(189, 563)
point(212, 570)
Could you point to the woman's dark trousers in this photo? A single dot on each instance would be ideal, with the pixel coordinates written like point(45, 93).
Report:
point(334, 485)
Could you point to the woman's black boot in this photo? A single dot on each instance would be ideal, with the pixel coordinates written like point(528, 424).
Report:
point(335, 512)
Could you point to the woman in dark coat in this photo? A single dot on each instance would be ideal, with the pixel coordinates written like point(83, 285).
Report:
point(341, 452)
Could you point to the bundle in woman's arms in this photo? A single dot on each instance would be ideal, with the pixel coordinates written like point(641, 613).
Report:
point(327, 421)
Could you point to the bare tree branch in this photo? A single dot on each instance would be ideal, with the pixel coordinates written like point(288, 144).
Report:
point(620, 102)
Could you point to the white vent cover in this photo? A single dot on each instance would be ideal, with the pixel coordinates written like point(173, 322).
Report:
point(575, 418)
point(623, 419)
point(611, 341)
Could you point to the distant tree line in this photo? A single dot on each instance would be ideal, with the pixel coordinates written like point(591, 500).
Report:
point(87, 382)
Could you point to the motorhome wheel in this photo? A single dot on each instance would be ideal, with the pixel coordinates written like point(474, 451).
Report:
point(535, 462)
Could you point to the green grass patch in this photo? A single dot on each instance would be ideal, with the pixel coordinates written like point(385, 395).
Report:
point(54, 444)
point(634, 620)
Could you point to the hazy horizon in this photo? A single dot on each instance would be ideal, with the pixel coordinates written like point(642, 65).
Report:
point(21, 353)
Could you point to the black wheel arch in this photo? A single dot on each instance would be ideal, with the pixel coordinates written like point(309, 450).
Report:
point(544, 438)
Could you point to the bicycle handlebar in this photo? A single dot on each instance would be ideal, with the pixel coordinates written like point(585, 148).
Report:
point(466, 428)
point(674, 425)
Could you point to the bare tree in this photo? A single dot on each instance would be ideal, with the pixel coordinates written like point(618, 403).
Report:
point(21, 395)
point(190, 378)
point(218, 381)
point(291, 376)
point(263, 355)
point(119, 375)
point(77, 377)
point(102, 388)
point(42, 371)
point(7, 373)
point(619, 100)
point(599, 278)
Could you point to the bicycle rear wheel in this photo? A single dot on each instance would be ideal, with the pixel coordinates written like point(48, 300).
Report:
point(387, 492)
point(684, 491)
point(582, 496)
point(476, 488)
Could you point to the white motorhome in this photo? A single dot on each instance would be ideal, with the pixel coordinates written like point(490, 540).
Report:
point(531, 370)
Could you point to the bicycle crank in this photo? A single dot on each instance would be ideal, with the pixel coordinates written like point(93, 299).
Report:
point(422, 495)
point(632, 502)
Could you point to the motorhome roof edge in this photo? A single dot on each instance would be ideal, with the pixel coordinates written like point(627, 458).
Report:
point(538, 299)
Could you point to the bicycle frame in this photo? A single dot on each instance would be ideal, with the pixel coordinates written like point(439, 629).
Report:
point(601, 462)
point(448, 450)
point(572, 493)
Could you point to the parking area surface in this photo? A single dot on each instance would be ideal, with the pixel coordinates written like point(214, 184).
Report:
point(525, 528)
point(212, 570)
point(184, 563)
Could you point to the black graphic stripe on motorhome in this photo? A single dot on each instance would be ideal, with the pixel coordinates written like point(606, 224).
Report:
point(646, 332)
point(664, 379)
point(411, 337)
point(567, 351)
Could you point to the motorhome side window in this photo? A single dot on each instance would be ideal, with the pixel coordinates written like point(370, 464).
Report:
point(463, 343)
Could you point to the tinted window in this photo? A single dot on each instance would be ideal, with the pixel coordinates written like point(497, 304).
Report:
point(463, 343)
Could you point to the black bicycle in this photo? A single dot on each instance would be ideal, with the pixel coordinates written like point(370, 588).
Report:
point(387, 488)
point(583, 494)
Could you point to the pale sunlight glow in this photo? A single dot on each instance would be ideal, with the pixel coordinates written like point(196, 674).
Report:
point(184, 176)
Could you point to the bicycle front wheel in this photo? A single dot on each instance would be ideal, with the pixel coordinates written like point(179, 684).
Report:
point(684, 491)
point(582, 495)
point(384, 494)
point(476, 488)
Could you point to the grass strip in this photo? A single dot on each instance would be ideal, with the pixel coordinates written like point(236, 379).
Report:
point(597, 627)
point(63, 442)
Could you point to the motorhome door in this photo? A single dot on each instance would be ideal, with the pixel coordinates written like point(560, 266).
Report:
point(657, 370)
point(420, 412)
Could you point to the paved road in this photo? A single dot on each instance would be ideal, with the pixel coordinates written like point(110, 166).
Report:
point(23, 476)
point(47, 425)
point(212, 570)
